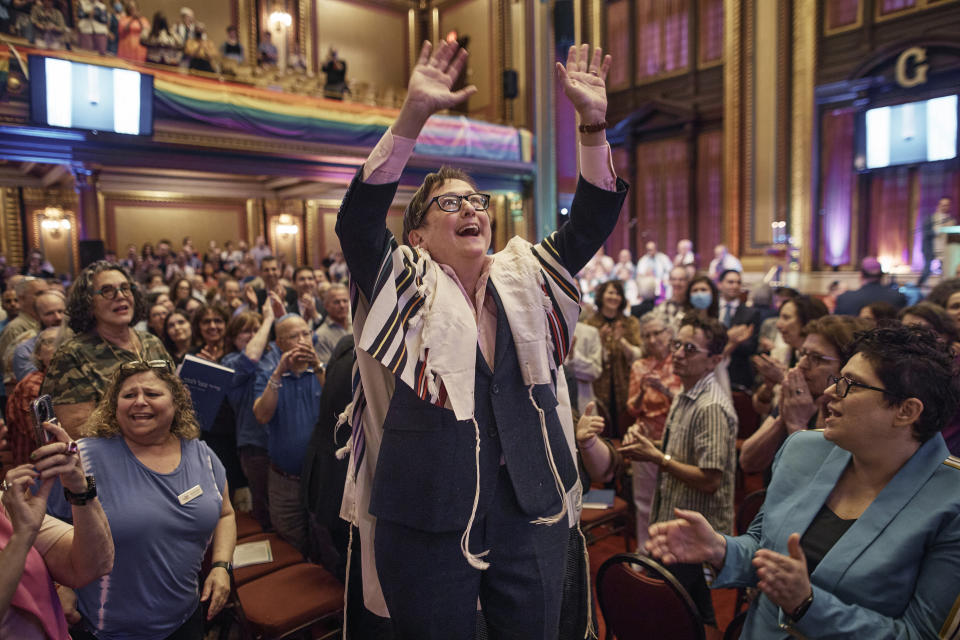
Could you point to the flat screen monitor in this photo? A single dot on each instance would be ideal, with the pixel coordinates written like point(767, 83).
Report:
point(910, 133)
point(76, 95)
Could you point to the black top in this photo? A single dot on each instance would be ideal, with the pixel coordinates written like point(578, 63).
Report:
point(826, 528)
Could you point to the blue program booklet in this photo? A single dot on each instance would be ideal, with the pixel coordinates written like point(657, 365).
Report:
point(208, 383)
point(598, 499)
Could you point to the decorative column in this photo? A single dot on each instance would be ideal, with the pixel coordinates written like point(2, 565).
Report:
point(801, 136)
point(88, 202)
point(545, 184)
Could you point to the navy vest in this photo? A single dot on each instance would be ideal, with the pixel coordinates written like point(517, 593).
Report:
point(425, 476)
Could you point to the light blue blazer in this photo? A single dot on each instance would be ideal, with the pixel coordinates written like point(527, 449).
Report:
point(894, 574)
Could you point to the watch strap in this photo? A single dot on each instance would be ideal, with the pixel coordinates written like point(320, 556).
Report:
point(80, 499)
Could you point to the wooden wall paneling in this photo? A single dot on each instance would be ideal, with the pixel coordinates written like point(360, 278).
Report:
point(841, 15)
point(710, 196)
point(618, 41)
point(709, 17)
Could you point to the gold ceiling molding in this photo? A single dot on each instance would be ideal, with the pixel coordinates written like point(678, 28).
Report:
point(135, 197)
point(802, 119)
point(262, 145)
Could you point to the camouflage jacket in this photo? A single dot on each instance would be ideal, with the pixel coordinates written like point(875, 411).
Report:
point(82, 367)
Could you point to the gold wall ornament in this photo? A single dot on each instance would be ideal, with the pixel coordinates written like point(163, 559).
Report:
point(915, 58)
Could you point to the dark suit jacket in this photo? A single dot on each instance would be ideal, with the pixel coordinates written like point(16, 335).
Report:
point(289, 299)
point(850, 303)
point(740, 368)
point(645, 306)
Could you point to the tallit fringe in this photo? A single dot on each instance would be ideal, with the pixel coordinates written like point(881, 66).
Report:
point(346, 583)
point(343, 419)
point(474, 559)
point(547, 520)
point(588, 633)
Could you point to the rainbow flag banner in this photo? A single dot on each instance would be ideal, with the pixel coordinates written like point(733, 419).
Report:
point(263, 112)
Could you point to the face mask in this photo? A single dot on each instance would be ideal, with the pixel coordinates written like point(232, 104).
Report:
point(701, 299)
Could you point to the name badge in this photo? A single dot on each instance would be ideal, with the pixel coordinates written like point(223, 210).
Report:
point(190, 494)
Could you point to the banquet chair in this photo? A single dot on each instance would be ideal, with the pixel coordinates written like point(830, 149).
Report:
point(640, 599)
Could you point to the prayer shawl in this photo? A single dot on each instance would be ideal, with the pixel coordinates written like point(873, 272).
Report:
point(420, 329)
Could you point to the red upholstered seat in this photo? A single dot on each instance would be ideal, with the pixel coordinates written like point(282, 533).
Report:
point(247, 526)
point(290, 599)
point(641, 599)
point(617, 519)
point(284, 555)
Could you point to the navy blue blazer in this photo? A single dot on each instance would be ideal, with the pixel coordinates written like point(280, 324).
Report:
point(895, 573)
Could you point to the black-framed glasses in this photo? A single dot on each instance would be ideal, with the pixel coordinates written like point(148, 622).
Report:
point(451, 203)
point(209, 321)
point(689, 348)
point(815, 358)
point(843, 385)
point(109, 292)
point(140, 365)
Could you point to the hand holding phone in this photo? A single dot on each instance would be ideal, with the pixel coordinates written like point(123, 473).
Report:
point(42, 409)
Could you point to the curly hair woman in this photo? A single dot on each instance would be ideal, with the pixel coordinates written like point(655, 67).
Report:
point(104, 304)
point(166, 496)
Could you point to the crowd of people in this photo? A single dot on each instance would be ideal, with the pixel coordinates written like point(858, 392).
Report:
point(476, 390)
point(105, 349)
point(118, 28)
point(658, 406)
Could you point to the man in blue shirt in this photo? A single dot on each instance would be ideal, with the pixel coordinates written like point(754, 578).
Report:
point(287, 401)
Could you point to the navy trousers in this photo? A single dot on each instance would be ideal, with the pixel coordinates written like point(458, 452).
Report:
point(520, 592)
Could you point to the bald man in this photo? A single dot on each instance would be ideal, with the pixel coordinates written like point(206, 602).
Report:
point(287, 393)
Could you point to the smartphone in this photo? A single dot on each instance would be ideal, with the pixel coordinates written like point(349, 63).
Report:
point(42, 409)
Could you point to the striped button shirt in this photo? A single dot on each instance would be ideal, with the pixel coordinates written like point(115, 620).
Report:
point(701, 430)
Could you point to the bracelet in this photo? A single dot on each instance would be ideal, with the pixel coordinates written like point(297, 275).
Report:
point(80, 499)
point(593, 128)
point(273, 384)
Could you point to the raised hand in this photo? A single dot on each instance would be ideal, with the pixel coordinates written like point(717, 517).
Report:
point(796, 404)
point(590, 425)
point(430, 87)
point(25, 509)
point(584, 81)
point(783, 579)
point(688, 539)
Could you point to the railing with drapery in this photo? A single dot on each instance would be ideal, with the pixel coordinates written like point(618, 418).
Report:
point(245, 109)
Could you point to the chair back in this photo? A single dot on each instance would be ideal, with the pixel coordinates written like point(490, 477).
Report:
point(735, 628)
point(747, 416)
point(641, 599)
point(749, 509)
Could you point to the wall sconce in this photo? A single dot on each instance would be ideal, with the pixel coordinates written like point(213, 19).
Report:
point(54, 221)
point(280, 18)
point(286, 226)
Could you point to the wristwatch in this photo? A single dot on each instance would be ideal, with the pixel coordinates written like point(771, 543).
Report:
point(796, 614)
point(665, 460)
point(223, 565)
point(80, 499)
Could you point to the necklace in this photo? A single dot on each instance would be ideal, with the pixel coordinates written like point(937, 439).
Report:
point(137, 348)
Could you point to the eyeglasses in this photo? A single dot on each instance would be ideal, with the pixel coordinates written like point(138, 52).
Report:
point(139, 365)
point(209, 321)
point(844, 383)
point(451, 203)
point(688, 347)
point(109, 292)
point(651, 334)
point(816, 359)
